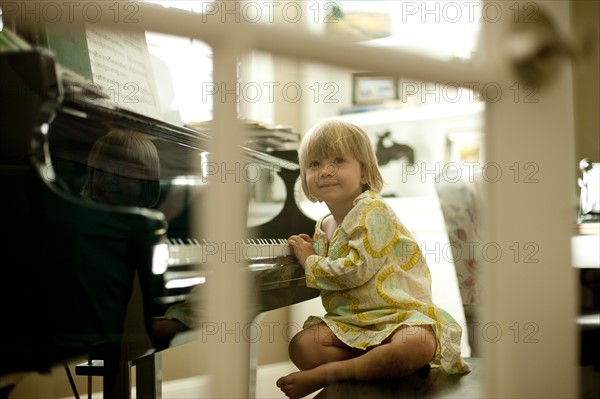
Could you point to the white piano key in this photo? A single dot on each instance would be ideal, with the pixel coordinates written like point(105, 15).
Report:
point(191, 251)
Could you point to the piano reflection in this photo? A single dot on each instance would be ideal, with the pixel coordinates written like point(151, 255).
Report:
point(123, 169)
point(100, 195)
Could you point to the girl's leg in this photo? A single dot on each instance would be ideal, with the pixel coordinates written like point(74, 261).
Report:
point(407, 350)
point(317, 345)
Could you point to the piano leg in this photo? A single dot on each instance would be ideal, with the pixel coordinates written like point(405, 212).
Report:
point(117, 384)
point(116, 377)
point(148, 376)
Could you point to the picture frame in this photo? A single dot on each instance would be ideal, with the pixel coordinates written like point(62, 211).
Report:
point(369, 88)
point(464, 147)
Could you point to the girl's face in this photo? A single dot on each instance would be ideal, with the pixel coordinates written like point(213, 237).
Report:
point(335, 180)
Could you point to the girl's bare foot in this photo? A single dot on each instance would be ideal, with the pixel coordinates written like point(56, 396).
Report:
point(299, 384)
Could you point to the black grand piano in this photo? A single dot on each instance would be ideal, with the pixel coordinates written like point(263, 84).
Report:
point(77, 249)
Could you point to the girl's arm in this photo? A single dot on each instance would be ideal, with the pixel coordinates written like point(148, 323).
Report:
point(373, 236)
point(322, 272)
point(303, 247)
point(340, 274)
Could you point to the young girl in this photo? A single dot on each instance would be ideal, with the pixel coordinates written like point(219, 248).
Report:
point(381, 322)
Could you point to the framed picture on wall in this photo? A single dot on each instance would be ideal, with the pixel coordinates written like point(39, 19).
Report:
point(370, 88)
point(462, 147)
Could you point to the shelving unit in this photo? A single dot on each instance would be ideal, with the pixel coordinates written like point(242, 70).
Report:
point(414, 114)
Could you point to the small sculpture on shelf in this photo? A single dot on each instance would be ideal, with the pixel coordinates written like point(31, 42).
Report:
point(589, 196)
point(395, 151)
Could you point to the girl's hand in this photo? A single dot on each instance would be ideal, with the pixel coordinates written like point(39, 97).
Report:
point(303, 247)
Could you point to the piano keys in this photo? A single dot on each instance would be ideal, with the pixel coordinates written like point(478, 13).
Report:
point(271, 262)
point(194, 252)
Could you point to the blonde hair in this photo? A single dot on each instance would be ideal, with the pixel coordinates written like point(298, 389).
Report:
point(333, 137)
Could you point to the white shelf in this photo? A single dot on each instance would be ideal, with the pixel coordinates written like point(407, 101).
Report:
point(585, 251)
point(412, 114)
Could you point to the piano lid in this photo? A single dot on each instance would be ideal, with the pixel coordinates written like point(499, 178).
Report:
point(82, 106)
point(184, 162)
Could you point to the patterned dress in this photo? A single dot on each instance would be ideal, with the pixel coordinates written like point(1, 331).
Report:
point(373, 279)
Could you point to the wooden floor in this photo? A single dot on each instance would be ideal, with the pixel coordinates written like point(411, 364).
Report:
point(437, 384)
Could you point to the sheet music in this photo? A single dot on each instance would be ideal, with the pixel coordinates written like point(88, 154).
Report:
point(121, 66)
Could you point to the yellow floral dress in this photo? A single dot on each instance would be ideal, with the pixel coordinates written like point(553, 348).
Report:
point(374, 279)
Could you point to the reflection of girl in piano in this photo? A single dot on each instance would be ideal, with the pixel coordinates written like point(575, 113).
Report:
point(124, 169)
point(381, 322)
